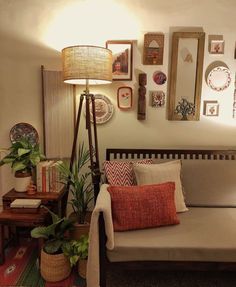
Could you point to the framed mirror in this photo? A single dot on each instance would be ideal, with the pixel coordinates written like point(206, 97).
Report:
point(186, 76)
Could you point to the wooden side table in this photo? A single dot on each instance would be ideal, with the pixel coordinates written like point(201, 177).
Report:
point(8, 218)
point(56, 201)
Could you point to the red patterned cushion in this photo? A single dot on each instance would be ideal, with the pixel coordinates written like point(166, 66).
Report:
point(138, 207)
point(121, 172)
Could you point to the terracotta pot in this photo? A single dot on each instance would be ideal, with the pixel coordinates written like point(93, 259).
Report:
point(79, 229)
point(82, 268)
point(54, 268)
point(22, 181)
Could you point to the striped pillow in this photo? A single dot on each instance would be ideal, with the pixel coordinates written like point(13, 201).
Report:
point(121, 172)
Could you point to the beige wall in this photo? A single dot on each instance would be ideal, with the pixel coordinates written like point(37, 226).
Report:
point(30, 30)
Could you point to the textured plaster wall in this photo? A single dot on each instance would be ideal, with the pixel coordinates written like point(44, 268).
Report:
point(23, 49)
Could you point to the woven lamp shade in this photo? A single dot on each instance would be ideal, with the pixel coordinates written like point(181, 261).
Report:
point(92, 63)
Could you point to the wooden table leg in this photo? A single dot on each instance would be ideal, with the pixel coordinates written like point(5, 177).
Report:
point(2, 254)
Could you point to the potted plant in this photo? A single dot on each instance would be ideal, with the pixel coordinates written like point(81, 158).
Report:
point(77, 251)
point(54, 265)
point(81, 189)
point(23, 156)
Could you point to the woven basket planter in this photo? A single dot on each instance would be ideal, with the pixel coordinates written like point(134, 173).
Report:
point(82, 268)
point(54, 268)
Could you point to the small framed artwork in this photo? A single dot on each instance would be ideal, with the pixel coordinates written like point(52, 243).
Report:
point(211, 108)
point(216, 44)
point(124, 98)
point(122, 59)
point(157, 98)
point(153, 49)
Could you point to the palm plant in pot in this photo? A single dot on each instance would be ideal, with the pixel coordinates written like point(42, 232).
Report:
point(54, 265)
point(23, 156)
point(81, 189)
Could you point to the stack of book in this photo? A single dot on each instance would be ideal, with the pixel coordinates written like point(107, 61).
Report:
point(48, 178)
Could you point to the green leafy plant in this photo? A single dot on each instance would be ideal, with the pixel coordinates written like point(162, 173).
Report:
point(54, 234)
point(23, 156)
point(80, 183)
point(76, 249)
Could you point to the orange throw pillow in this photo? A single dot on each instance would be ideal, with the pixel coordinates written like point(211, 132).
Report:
point(145, 206)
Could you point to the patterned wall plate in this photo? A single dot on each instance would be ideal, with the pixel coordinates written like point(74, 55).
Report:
point(219, 78)
point(24, 130)
point(103, 109)
point(159, 78)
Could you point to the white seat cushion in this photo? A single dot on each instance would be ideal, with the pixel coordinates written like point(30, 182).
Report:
point(204, 234)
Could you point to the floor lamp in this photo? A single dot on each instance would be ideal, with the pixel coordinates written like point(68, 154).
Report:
point(87, 65)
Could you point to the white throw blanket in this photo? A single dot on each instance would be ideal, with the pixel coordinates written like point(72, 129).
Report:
point(103, 204)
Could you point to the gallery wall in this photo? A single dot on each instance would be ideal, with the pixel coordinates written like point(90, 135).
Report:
point(33, 32)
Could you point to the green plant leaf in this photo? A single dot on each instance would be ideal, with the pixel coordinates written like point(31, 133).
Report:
point(7, 159)
point(22, 151)
point(53, 246)
point(55, 217)
point(17, 166)
point(40, 232)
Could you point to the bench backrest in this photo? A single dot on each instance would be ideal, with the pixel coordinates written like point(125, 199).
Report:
point(208, 176)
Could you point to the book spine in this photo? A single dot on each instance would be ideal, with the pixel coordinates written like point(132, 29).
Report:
point(44, 186)
point(39, 177)
point(47, 177)
point(52, 178)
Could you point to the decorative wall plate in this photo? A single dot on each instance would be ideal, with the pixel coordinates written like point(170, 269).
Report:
point(103, 109)
point(159, 78)
point(219, 78)
point(24, 130)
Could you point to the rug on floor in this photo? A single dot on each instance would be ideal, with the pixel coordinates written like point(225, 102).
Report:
point(21, 269)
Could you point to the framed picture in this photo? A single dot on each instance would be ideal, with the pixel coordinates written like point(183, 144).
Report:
point(217, 46)
point(153, 49)
point(122, 59)
point(157, 98)
point(211, 108)
point(124, 98)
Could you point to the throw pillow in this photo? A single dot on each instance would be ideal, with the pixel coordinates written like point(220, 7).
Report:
point(138, 207)
point(162, 172)
point(121, 172)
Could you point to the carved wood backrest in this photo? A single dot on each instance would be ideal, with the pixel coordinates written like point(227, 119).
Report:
point(122, 153)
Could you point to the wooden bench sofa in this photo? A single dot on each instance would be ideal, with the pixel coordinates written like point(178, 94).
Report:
point(205, 239)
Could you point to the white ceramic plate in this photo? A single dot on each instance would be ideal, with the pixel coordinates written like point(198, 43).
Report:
point(219, 78)
point(103, 109)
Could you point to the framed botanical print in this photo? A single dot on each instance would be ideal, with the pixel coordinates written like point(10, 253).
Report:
point(124, 98)
point(122, 59)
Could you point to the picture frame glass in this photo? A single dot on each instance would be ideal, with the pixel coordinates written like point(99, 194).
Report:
point(122, 54)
